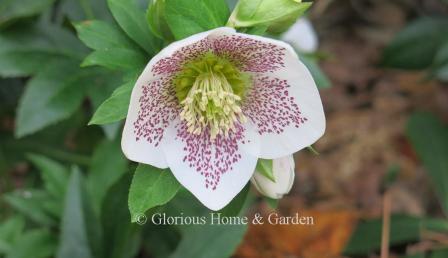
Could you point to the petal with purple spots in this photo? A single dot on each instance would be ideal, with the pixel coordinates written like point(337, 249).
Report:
point(286, 108)
point(215, 171)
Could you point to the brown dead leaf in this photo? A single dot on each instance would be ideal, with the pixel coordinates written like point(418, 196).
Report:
point(325, 239)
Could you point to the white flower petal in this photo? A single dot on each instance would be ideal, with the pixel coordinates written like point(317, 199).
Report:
point(283, 170)
point(151, 115)
point(213, 172)
point(286, 107)
point(302, 36)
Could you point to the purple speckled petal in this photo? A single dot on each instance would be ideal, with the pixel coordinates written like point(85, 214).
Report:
point(216, 170)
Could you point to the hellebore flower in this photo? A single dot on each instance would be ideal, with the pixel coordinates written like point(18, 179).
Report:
point(210, 105)
point(283, 171)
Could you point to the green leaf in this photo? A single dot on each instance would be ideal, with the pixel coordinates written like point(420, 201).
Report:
point(155, 16)
point(319, 77)
point(265, 167)
point(54, 175)
point(186, 18)
point(419, 255)
point(132, 20)
point(236, 205)
point(24, 49)
point(256, 30)
point(122, 237)
point(404, 228)
point(416, 45)
point(440, 67)
point(40, 97)
point(114, 108)
point(277, 13)
point(100, 35)
point(37, 243)
point(76, 10)
point(14, 9)
point(283, 24)
point(209, 241)
point(73, 239)
point(31, 203)
point(429, 137)
point(10, 231)
point(150, 187)
point(160, 241)
point(115, 59)
point(108, 165)
point(24, 62)
point(442, 253)
point(204, 240)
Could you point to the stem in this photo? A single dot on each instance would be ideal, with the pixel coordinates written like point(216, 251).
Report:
point(315, 152)
point(87, 9)
point(386, 225)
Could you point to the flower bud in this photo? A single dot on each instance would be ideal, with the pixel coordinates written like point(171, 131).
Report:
point(302, 36)
point(157, 22)
point(283, 172)
point(277, 15)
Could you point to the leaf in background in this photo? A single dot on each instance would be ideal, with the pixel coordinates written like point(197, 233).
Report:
point(38, 243)
point(10, 231)
point(114, 108)
point(320, 78)
point(103, 89)
point(108, 166)
point(54, 175)
point(235, 207)
point(14, 9)
point(429, 137)
point(132, 20)
point(188, 17)
point(404, 228)
point(420, 255)
point(155, 16)
point(264, 167)
point(76, 10)
point(200, 240)
point(24, 49)
point(116, 59)
point(100, 35)
point(73, 240)
point(160, 241)
point(35, 110)
point(150, 187)
point(209, 241)
point(122, 237)
point(442, 253)
point(440, 67)
point(31, 204)
point(23, 62)
point(416, 45)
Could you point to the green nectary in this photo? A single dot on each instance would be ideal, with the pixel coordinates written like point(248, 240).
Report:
point(211, 89)
point(210, 64)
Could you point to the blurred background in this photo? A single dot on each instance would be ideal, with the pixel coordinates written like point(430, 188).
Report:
point(377, 188)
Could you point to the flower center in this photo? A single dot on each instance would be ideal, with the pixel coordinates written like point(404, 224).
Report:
point(210, 90)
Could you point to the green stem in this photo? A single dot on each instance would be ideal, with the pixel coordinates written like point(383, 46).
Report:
point(85, 5)
point(310, 148)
